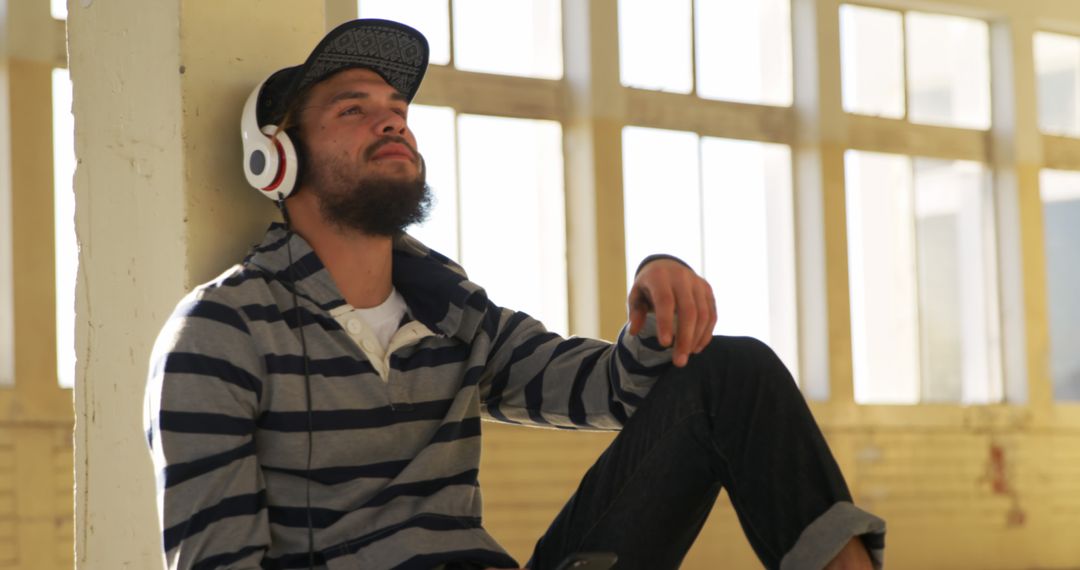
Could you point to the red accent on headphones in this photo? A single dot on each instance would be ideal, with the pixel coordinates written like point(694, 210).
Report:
point(280, 174)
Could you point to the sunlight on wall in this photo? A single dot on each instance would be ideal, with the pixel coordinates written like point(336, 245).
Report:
point(67, 248)
point(58, 9)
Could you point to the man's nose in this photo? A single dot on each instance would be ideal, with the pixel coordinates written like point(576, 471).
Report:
point(391, 124)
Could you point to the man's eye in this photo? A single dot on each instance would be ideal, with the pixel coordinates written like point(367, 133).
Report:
point(354, 110)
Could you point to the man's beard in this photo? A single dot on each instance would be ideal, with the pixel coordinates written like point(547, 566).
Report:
point(373, 205)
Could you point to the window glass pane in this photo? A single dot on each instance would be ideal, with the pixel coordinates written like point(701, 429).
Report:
point(959, 358)
point(872, 61)
point(430, 17)
point(1057, 64)
point(1061, 220)
point(58, 9)
point(654, 45)
point(749, 241)
point(67, 248)
point(724, 207)
point(661, 196)
point(881, 275)
point(434, 130)
point(513, 227)
point(520, 37)
point(922, 276)
point(948, 70)
point(743, 50)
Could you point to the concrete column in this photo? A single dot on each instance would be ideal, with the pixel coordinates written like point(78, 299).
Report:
point(1017, 154)
point(820, 222)
point(161, 205)
point(593, 151)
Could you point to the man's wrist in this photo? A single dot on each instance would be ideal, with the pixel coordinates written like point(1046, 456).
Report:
point(656, 257)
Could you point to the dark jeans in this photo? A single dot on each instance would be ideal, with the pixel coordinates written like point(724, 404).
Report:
point(732, 418)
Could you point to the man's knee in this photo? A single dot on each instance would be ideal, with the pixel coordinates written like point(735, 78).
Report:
point(739, 350)
point(743, 359)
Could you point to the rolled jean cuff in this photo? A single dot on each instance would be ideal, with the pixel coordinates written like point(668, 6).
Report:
point(820, 542)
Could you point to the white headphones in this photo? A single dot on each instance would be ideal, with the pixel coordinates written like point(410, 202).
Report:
point(270, 163)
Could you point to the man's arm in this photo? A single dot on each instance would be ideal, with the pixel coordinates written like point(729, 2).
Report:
point(537, 377)
point(202, 400)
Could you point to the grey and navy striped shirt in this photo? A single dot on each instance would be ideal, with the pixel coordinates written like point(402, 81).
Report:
point(393, 477)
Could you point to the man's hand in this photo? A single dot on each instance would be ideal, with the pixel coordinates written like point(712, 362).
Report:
point(667, 288)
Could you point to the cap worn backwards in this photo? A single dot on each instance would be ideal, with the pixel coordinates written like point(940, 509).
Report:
point(398, 53)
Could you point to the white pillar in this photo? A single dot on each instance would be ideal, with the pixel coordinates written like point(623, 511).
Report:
point(161, 205)
point(593, 155)
point(821, 237)
point(1017, 154)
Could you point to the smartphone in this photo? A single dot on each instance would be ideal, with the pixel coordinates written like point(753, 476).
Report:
point(588, 561)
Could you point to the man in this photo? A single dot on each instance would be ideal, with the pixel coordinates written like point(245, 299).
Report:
point(319, 404)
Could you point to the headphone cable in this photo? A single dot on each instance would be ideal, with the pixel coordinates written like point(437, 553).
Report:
point(307, 382)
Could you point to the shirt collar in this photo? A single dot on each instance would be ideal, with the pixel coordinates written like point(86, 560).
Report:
point(435, 288)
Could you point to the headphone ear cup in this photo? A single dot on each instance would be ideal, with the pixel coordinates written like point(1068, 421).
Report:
point(261, 157)
point(270, 164)
point(286, 163)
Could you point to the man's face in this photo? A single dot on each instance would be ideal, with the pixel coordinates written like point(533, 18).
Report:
point(360, 157)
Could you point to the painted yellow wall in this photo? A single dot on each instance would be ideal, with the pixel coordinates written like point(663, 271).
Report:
point(162, 206)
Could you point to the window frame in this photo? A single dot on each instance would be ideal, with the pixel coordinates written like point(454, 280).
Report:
point(26, 185)
point(593, 106)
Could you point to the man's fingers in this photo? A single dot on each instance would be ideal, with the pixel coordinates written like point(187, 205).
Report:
point(638, 303)
point(706, 312)
point(637, 319)
point(713, 313)
point(686, 338)
point(664, 308)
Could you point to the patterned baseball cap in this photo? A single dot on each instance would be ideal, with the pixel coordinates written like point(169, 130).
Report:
point(398, 53)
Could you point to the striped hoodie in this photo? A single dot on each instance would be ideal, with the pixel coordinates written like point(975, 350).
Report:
point(394, 459)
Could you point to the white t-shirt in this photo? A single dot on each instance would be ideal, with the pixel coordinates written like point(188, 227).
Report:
point(384, 318)
point(373, 329)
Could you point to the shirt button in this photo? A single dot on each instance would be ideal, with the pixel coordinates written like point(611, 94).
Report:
point(369, 346)
point(355, 326)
